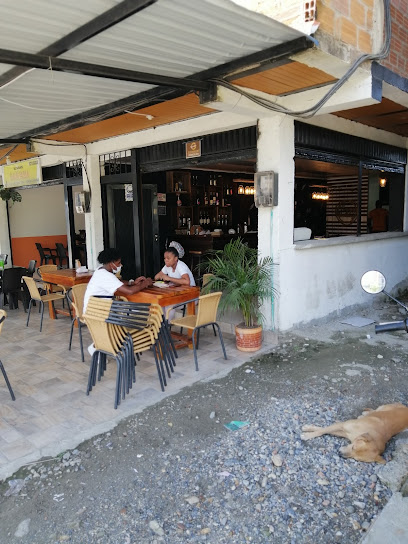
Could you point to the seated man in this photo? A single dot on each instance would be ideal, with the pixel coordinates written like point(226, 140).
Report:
point(378, 218)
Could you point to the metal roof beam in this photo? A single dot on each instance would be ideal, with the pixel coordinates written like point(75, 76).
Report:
point(100, 23)
point(44, 62)
point(160, 94)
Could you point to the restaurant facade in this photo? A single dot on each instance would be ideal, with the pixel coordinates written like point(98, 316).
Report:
point(194, 179)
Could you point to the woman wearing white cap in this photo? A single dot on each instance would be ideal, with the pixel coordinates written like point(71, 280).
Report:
point(175, 270)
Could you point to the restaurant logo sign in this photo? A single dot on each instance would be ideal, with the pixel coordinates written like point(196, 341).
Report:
point(22, 173)
point(193, 149)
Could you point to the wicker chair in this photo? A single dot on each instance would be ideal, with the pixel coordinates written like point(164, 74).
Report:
point(206, 315)
point(36, 296)
point(76, 295)
point(3, 316)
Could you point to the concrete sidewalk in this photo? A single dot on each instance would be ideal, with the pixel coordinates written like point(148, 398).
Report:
point(391, 525)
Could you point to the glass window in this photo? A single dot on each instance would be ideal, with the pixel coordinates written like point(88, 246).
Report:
point(327, 199)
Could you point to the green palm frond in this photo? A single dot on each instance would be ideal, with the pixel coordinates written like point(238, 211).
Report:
point(244, 279)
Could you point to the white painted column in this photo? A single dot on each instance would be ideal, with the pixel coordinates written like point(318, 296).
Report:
point(4, 232)
point(276, 151)
point(93, 219)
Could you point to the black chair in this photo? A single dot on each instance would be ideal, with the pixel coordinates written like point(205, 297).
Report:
point(11, 286)
point(46, 254)
point(62, 254)
point(3, 370)
point(31, 268)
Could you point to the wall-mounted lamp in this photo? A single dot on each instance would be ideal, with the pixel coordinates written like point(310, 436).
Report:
point(241, 190)
point(382, 182)
point(320, 196)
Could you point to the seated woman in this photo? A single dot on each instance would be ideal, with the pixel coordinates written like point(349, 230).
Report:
point(104, 282)
point(175, 270)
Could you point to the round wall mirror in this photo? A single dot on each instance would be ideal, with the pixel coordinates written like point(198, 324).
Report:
point(373, 282)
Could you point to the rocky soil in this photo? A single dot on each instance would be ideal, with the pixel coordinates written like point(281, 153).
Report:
point(176, 474)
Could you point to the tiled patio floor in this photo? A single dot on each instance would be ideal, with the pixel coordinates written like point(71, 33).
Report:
point(52, 412)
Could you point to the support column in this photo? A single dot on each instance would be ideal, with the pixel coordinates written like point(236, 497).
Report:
point(93, 219)
point(276, 151)
point(4, 232)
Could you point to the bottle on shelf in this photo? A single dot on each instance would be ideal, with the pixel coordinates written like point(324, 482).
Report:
point(188, 224)
point(208, 218)
point(205, 199)
point(217, 200)
point(245, 227)
point(180, 221)
point(179, 203)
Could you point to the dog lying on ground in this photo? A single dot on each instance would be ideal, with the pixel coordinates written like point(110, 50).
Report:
point(368, 434)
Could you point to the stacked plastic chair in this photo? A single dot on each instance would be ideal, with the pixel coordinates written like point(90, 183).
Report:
point(124, 330)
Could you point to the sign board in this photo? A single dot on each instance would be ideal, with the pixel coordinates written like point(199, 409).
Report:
point(22, 173)
point(193, 149)
point(128, 192)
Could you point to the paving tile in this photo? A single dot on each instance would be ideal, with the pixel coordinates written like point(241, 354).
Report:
point(52, 410)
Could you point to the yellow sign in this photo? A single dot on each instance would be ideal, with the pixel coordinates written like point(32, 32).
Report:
point(22, 173)
point(193, 149)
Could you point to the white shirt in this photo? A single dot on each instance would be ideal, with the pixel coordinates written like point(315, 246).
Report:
point(102, 284)
point(181, 269)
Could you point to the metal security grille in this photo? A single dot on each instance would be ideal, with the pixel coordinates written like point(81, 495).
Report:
point(73, 169)
point(115, 163)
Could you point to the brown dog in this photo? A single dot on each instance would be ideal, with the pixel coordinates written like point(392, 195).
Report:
point(368, 434)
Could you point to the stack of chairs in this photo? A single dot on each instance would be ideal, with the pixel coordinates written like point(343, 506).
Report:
point(123, 330)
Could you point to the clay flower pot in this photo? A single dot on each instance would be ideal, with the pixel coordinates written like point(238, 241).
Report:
point(248, 338)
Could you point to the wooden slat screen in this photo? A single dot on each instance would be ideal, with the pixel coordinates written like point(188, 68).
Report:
point(342, 206)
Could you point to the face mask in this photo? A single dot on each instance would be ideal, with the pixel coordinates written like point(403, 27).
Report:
point(117, 270)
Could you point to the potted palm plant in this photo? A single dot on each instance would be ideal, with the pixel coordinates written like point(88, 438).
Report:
point(245, 282)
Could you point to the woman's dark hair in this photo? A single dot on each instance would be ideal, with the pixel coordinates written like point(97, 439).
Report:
point(109, 255)
point(172, 250)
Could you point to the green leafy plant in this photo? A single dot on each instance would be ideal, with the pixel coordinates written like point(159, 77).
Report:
point(244, 279)
point(9, 194)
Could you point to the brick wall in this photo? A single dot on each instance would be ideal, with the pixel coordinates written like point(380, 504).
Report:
point(357, 24)
point(398, 58)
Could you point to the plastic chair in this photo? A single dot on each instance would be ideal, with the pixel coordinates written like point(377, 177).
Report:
point(144, 322)
point(62, 254)
point(77, 293)
point(206, 315)
point(47, 286)
point(108, 339)
point(46, 254)
point(3, 316)
point(31, 267)
point(11, 286)
point(36, 296)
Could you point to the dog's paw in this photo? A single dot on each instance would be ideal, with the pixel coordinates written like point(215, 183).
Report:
point(306, 436)
point(309, 428)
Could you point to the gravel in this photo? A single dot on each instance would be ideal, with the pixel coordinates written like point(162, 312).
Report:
point(176, 474)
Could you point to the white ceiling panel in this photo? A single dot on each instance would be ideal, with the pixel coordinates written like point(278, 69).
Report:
point(40, 97)
point(32, 25)
point(174, 38)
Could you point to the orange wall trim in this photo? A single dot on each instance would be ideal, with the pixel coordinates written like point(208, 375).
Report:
point(24, 249)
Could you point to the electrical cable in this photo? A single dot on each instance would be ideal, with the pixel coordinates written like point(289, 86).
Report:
point(8, 152)
point(384, 52)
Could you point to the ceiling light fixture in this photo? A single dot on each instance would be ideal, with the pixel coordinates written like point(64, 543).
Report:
point(147, 115)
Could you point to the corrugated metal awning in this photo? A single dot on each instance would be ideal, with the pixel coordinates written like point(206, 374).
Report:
point(167, 38)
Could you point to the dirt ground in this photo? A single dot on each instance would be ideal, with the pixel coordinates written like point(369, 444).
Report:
point(84, 495)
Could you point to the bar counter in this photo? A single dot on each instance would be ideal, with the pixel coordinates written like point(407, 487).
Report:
point(205, 242)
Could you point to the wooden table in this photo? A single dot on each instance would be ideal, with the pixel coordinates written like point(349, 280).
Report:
point(66, 277)
point(169, 296)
